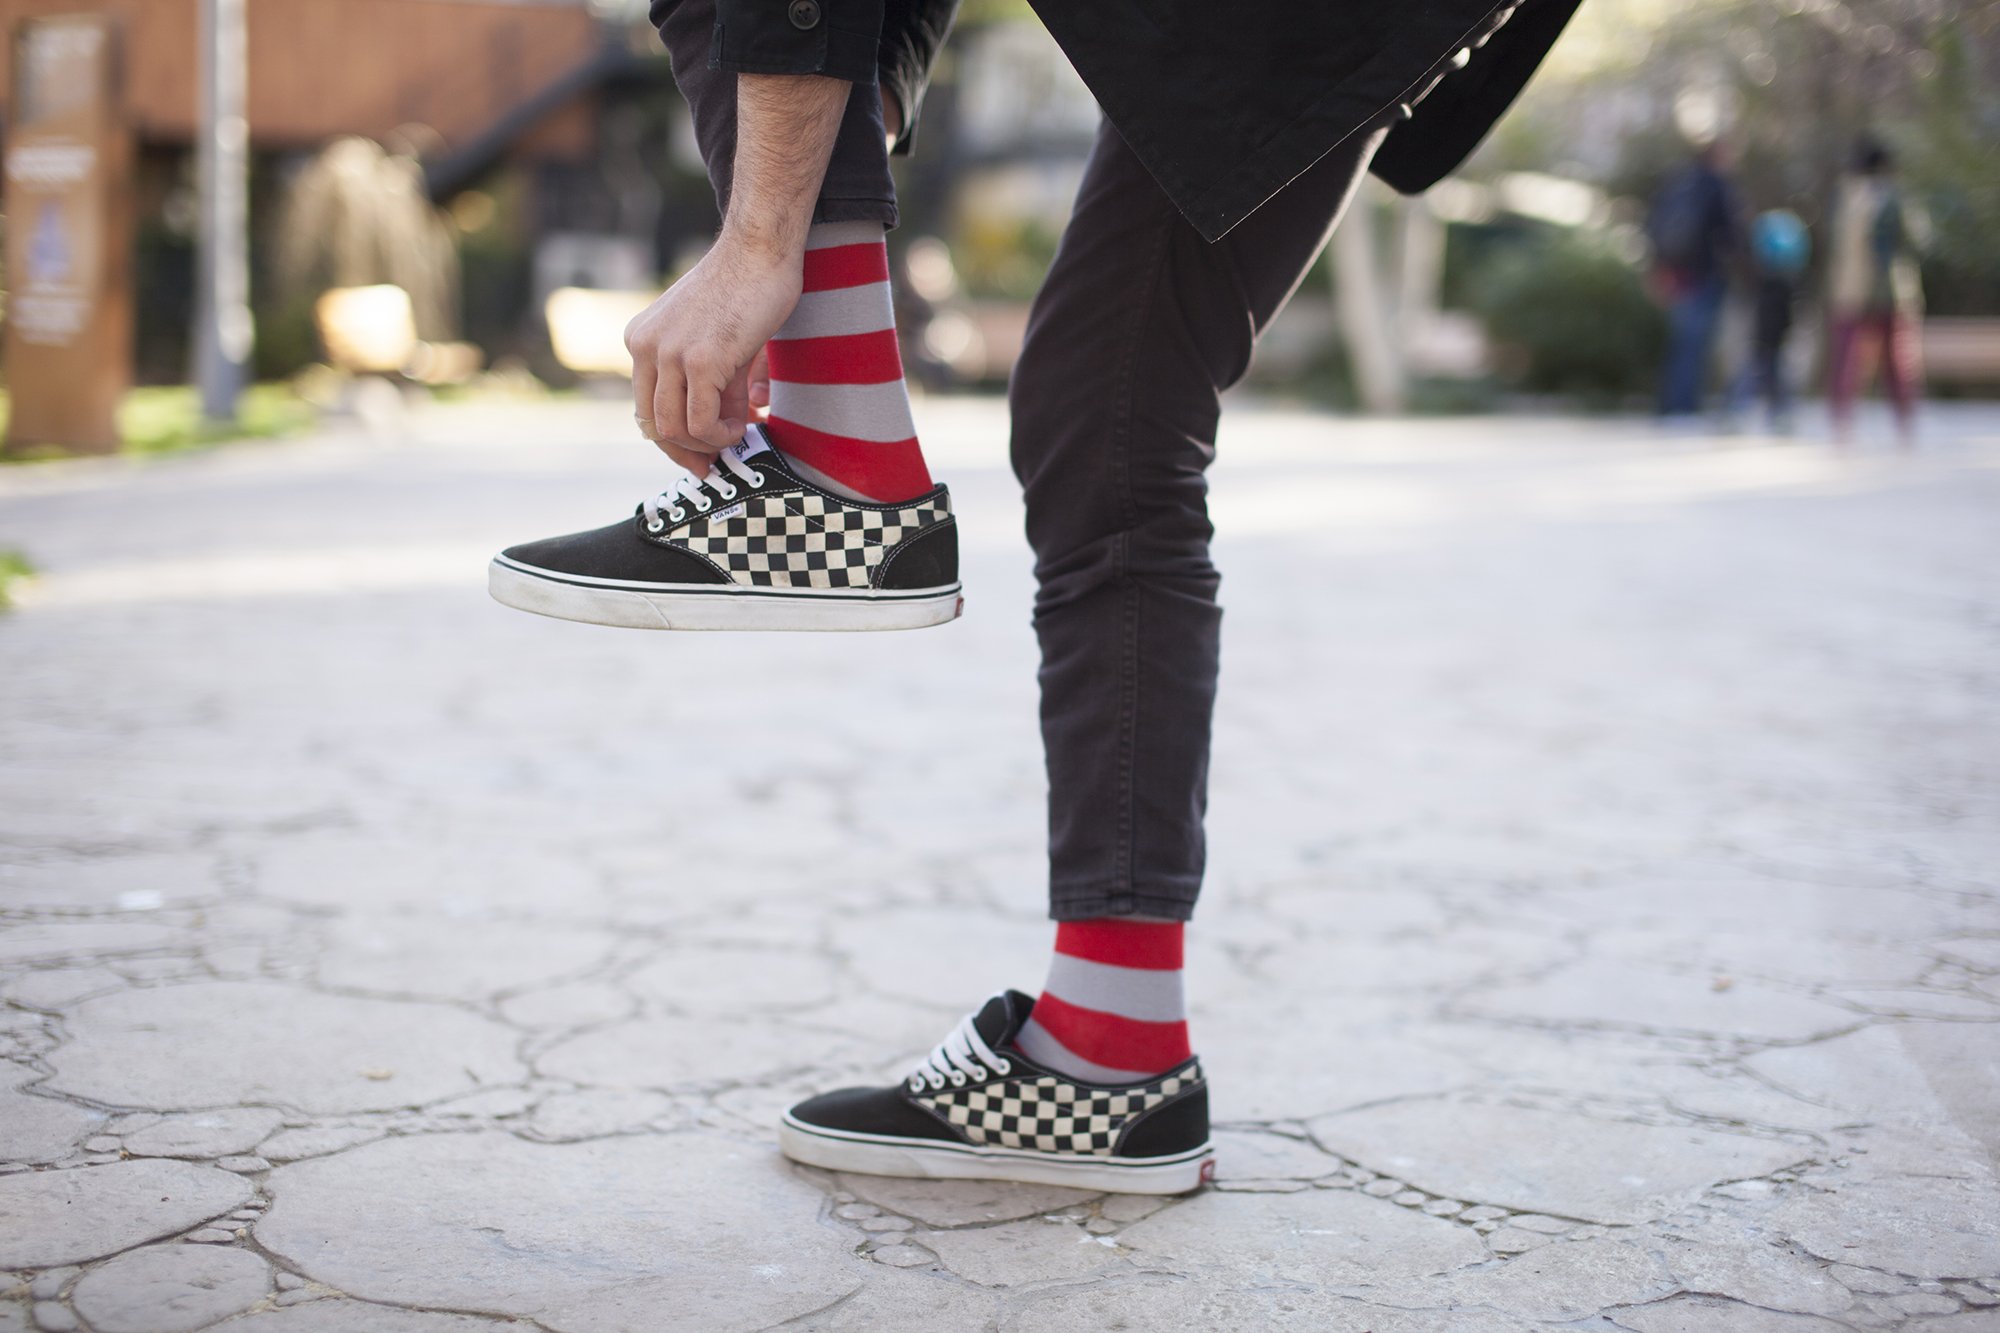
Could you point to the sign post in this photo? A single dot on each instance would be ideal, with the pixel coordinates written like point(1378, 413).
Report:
point(222, 332)
point(69, 235)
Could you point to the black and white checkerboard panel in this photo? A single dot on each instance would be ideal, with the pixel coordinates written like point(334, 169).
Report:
point(1050, 1114)
point(802, 540)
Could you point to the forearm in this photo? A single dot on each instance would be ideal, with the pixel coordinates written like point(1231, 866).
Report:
point(785, 128)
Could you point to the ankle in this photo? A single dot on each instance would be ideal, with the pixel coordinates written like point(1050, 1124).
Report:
point(1114, 1009)
point(838, 404)
point(877, 480)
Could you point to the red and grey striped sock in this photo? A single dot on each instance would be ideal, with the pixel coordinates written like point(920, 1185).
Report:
point(839, 408)
point(1113, 1011)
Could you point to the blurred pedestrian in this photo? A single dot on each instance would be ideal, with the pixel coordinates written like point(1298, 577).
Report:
point(1779, 249)
point(1696, 232)
point(1233, 137)
point(1874, 294)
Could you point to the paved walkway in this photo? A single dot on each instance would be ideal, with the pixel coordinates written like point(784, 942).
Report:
point(1604, 930)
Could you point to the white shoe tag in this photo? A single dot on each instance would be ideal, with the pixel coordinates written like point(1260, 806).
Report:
point(752, 444)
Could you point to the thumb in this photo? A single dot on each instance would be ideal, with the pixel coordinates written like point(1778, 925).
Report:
point(734, 404)
point(760, 378)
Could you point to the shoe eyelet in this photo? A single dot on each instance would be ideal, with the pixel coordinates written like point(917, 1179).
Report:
point(729, 494)
point(937, 1084)
point(957, 1079)
point(1002, 1068)
point(677, 513)
point(756, 480)
point(979, 1071)
point(916, 1085)
point(703, 506)
point(655, 526)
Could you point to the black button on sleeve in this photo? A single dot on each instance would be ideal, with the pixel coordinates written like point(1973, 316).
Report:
point(840, 39)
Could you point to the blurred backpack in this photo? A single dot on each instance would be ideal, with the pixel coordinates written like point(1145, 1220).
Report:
point(1888, 241)
point(1781, 243)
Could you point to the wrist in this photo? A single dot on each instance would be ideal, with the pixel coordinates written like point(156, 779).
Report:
point(764, 242)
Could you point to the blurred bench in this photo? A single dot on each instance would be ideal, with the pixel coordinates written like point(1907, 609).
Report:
point(373, 331)
point(1962, 351)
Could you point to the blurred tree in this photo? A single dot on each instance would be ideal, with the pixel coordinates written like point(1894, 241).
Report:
point(1952, 162)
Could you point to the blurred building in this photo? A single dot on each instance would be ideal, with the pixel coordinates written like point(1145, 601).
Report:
point(322, 68)
point(536, 126)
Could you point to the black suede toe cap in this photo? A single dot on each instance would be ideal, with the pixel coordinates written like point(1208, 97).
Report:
point(873, 1111)
point(927, 560)
point(618, 551)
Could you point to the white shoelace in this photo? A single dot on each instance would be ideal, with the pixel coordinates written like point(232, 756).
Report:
point(696, 492)
point(962, 1056)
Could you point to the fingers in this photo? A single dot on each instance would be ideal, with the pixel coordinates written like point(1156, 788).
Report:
point(735, 407)
point(705, 420)
point(670, 405)
point(760, 377)
point(688, 404)
point(644, 378)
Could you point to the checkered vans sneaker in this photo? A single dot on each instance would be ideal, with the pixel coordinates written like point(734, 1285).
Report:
point(975, 1108)
point(751, 546)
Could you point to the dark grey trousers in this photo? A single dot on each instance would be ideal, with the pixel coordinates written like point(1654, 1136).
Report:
point(1139, 328)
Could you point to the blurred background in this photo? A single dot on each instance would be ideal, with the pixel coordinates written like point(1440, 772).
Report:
point(1600, 927)
point(406, 198)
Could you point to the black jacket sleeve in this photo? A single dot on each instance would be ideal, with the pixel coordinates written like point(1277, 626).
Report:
point(837, 38)
point(1449, 122)
point(912, 32)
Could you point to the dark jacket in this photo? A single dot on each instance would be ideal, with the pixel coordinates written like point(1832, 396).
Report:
point(1224, 104)
point(1696, 223)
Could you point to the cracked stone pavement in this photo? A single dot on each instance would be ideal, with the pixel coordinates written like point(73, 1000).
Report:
point(1603, 931)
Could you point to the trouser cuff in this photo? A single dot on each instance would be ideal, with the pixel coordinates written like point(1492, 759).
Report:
point(1086, 902)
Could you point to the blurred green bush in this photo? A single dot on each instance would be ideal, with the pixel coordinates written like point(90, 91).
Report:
point(1567, 315)
point(14, 567)
point(164, 419)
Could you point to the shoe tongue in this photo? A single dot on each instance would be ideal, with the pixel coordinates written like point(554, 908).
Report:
point(1002, 1017)
point(755, 444)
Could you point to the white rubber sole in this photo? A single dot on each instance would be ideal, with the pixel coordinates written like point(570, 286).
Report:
point(721, 606)
point(883, 1155)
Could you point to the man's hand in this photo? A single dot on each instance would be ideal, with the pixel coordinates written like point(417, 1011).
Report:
point(692, 349)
